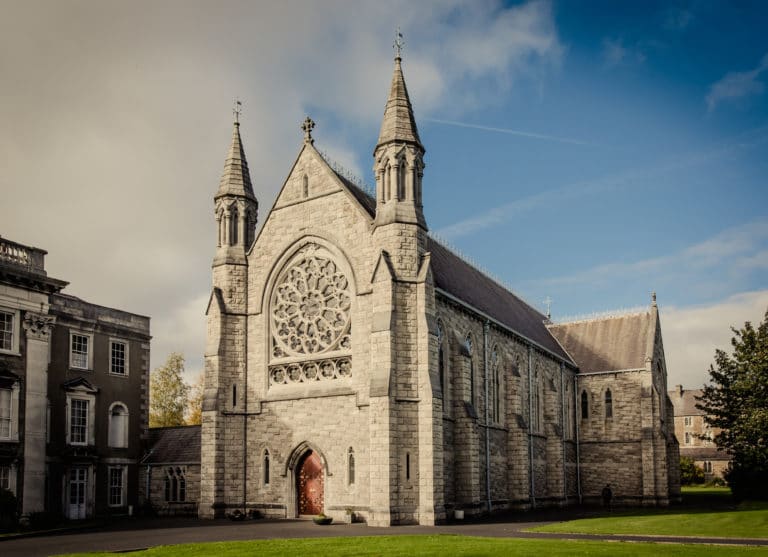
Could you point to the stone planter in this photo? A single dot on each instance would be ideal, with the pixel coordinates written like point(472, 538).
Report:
point(322, 520)
point(458, 514)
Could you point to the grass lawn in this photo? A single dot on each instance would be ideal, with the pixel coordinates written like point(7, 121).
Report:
point(440, 545)
point(748, 520)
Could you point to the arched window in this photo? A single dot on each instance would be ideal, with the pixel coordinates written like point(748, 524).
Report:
point(175, 484)
point(608, 404)
point(536, 405)
point(441, 357)
point(584, 405)
point(495, 384)
point(401, 181)
point(351, 466)
point(305, 186)
point(118, 425)
point(265, 467)
point(234, 223)
point(468, 345)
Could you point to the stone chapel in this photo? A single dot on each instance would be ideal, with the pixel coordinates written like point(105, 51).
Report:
point(355, 366)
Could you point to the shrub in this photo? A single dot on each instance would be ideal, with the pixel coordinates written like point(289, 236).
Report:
point(8, 506)
point(690, 473)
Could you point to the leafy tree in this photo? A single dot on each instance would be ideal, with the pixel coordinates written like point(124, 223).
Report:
point(195, 403)
point(737, 401)
point(690, 473)
point(168, 393)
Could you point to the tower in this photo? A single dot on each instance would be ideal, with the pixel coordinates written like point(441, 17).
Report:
point(235, 210)
point(406, 403)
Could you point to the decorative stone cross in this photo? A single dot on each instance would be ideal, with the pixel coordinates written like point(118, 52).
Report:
point(549, 301)
point(308, 126)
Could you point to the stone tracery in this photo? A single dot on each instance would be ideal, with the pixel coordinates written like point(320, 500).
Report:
point(310, 315)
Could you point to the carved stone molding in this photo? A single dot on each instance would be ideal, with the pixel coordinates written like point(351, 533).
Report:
point(38, 325)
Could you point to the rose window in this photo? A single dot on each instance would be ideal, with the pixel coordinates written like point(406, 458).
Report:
point(310, 307)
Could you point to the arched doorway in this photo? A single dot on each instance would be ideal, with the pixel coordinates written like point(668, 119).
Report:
point(309, 484)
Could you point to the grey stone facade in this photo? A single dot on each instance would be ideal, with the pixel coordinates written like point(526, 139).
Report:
point(344, 330)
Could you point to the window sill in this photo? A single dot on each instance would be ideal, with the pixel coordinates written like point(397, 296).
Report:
point(10, 353)
point(123, 375)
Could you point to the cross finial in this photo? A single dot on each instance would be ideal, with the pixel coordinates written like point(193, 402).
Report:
point(549, 301)
point(237, 110)
point(653, 299)
point(399, 43)
point(308, 126)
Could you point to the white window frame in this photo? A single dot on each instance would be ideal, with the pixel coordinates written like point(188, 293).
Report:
point(123, 477)
point(13, 433)
point(121, 443)
point(89, 427)
point(11, 470)
point(15, 331)
point(89, 354)
point(126, 346)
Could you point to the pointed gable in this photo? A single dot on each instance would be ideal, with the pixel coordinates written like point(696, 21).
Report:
point(607, 344)
point(398, 123)
point(236, 178)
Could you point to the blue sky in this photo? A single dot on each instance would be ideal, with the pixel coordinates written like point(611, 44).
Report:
point(589, 152)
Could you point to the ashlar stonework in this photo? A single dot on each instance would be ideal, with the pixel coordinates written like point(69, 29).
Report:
point(343, 333)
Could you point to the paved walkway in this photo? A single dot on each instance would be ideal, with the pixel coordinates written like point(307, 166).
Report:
point(142, 533)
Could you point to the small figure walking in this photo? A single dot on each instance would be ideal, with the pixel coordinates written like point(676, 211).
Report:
point(607, 496)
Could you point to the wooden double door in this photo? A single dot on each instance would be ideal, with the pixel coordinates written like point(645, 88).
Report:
point(310, 484)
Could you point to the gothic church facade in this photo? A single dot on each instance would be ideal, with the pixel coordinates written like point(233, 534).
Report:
point(356, 366)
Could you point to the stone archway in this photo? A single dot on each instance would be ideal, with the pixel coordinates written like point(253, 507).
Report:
point(310, 484)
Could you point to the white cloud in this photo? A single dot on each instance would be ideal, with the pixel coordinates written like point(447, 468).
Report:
point(616, 53)
point(116, 120)
point(743, 244)
point(691, 334)
point(735, 85)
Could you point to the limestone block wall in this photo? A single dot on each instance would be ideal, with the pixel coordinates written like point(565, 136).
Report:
point(156, 497)
point(511, 446)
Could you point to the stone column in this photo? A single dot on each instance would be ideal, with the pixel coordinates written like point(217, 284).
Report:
point(38, 328)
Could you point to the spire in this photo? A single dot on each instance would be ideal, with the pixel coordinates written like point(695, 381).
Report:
point(398, 123)
point(236, 179)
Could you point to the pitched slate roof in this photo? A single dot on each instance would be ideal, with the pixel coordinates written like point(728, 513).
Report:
point(463, 281)
point(173, 445)
point(704, 453)
point(607, 344)
point(685, 401)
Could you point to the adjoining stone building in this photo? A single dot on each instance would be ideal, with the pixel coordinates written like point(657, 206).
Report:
point(73, 393)
point(170, 470)
point(695, 436)
point(355, 363)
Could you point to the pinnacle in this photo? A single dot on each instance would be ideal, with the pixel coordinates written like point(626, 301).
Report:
point(236, 179)
point(398, 123)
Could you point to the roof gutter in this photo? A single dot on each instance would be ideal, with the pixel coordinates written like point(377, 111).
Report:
point(504, 327)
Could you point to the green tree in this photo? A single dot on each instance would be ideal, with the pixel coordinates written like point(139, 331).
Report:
point(168, 393)
point(737, 401)
point(690, 473)
point(195, 403)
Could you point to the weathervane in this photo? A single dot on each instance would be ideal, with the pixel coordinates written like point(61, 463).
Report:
point(399, 44)
point(308, 126)
point(237, 110)
point(548, 301)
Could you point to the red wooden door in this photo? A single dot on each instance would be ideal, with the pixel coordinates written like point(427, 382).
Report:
point(310, 484)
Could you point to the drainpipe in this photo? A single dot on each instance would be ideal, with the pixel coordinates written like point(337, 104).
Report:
point(148, 484)
point(577, 421)
point(487, 428)
point(564, 425)
point(530, 429)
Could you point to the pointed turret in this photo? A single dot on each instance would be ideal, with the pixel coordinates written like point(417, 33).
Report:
point(398, 124)
point(236, 179)
point(236, 207)
point(399, 157)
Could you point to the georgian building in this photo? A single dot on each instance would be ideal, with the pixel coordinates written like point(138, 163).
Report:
point(73, 393)
point(355, 363)
point(695, 436)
